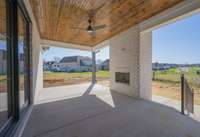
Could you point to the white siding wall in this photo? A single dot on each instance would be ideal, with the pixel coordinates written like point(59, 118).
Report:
point(131, 51)
point(124, 57)
point(72, 64)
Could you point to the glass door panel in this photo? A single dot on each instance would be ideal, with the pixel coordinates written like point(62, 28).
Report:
point(3, 66)
point(22, 60)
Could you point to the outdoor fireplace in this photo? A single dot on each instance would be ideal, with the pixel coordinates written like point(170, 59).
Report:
point(122, 77)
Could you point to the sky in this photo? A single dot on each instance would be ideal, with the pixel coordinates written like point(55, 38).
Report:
point(178, 42)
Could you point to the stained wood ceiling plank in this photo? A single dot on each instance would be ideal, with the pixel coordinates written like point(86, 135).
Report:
point(57, 17)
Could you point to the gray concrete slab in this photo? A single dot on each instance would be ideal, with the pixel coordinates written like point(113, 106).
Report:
point(100, 112)
point(177, 105)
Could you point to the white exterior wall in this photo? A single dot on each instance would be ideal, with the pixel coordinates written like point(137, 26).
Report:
point(124, 57)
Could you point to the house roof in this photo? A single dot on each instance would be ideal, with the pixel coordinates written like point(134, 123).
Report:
point(104, 63)
point(49, 62)
point(69, 59)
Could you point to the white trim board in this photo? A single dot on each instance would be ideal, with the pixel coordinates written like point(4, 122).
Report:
point(178, 12)
point(64, 45)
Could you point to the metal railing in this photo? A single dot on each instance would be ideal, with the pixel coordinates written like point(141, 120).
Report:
point(187, 96)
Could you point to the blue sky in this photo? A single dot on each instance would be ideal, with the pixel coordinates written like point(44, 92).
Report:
point(178, 42)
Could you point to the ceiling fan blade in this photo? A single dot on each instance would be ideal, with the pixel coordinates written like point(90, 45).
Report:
point(77, 28)
point(100, 27)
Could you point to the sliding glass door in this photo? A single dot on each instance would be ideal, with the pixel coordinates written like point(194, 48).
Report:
point(23, 47)
point(3, 66)
point(14, 64)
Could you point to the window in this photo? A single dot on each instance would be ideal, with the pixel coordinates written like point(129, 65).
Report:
point(3, 66)
point(14, 64)
point(23, 60)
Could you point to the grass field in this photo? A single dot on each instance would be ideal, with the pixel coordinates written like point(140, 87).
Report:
point(173, 76)
point(63, 75)
point(167, 83)
point(62, 78)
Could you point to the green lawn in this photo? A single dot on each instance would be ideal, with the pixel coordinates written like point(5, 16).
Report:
point(167, 83)
point(3, 78)
point(64, 78)
point(173, 75)
point(64, 75)
point(103, 74)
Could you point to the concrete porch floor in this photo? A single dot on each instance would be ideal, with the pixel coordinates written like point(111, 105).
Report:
point(95, 111)
point(177, 105)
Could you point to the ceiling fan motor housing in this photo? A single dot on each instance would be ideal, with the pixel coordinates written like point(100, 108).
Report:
point(90, 29)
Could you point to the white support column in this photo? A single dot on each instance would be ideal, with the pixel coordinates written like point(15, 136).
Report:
point(146, 65)
point(37, 70)
point(124, 58)
point(93, 67)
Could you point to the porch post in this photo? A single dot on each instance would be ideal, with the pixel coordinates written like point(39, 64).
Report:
point(93, 67)
point(182, 94)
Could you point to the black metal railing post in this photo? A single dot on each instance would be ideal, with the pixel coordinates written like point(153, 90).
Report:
point(182, 93)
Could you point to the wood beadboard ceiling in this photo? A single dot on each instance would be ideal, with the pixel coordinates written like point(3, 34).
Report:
point(57, 19)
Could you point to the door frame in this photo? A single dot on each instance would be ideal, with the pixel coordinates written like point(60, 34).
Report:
point(14, 113)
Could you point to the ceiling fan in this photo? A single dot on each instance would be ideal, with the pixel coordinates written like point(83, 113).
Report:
point(90, 28)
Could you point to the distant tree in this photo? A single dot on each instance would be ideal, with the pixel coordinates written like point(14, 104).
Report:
point(99, 61)
point(57, 59)
point(45, 48)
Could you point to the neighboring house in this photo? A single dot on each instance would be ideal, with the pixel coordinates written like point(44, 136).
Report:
point(21, 62)
point(165, 66)
point(3, 62)
point(162, 66)
point(104, 65)
point(75, 63)
point(55, 67)
point(3, 67)
point(47, 66)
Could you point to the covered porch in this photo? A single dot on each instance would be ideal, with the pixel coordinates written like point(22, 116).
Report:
point(125, 109)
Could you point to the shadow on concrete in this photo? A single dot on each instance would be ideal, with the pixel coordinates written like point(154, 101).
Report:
point(89, 89)
point(90, 116)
